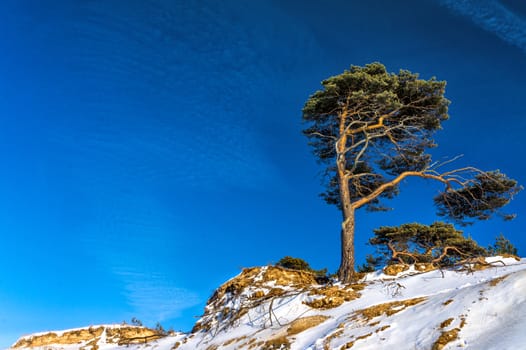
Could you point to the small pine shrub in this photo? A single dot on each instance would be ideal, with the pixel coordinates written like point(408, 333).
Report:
point(300, 264)
point(370, 265)
point(503, 246)
point(160, 329)
point(136, 322)
point(294, 263)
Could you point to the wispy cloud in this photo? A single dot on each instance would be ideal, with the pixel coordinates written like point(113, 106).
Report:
point(493, 17)
point(132, 236)
point(181, 100)
point(153, 297)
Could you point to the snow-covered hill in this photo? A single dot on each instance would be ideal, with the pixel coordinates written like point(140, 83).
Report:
point(275, 308)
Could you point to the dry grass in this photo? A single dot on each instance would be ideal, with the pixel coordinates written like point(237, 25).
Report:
point(131, 335)
point(285, 277)
point(347, 345)
point(340, 331)
point(447, 302)
point(328, 339)
point(237, 284)
point(381, 329)
point(351, 343)
point(505, 255)
point(333, 296)
point(250, 341)
point(424, 267)
point(39, 340)
point(477, 264)
point(497, 280)
point(304, 323)
point(275, 292)
point(280, 343)
point(325, 303)
point(257, 294)
point(257, 345)
point(70, 337)
point(446, 323)
point(255, 278)
point(358, 276)
point(388, 309)
point(92, 345)
point(445, 338)
point(395, 269)
point(364, 336)
point(234, 340)
point(200, 326)
point(357, 286)
point(91, 335)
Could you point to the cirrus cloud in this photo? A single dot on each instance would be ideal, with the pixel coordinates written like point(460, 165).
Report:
point(494, 17)
point(153, 298)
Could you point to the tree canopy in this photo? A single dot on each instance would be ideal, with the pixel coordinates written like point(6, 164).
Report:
point(371, 130)
point(383, 123)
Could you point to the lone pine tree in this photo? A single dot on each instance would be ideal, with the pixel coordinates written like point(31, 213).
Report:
point(372, 129)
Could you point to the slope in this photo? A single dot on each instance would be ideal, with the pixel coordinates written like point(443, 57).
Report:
point(274, 308)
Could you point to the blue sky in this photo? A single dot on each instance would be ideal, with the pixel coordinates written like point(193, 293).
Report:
point(151, 149)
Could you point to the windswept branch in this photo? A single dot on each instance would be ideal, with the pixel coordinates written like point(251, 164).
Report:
point(393, 183)
point(469, 192)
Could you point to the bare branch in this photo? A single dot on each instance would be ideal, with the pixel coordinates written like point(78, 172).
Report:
point(322, 135)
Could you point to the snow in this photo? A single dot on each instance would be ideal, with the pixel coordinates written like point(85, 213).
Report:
point(487, 308)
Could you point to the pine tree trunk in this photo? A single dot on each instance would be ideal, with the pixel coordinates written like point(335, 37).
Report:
point(346, 271)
